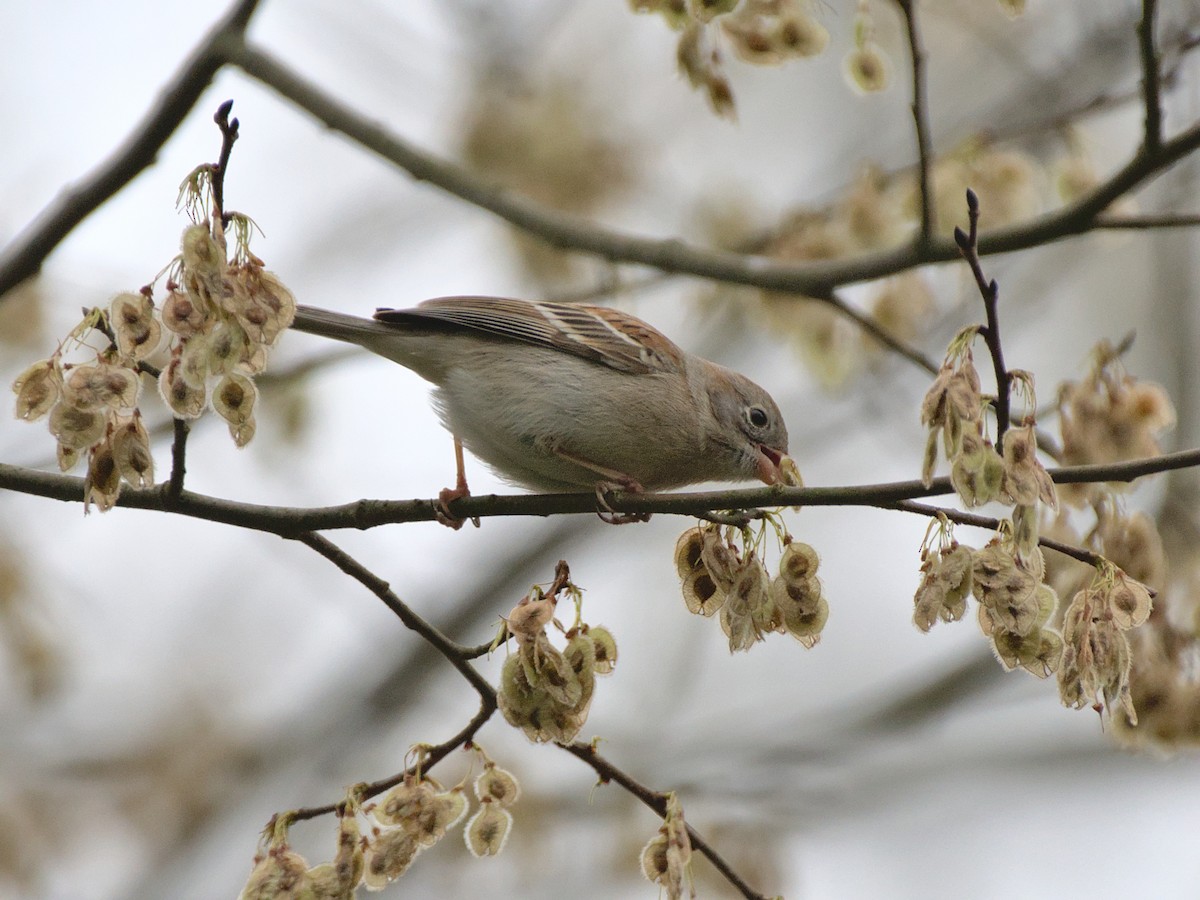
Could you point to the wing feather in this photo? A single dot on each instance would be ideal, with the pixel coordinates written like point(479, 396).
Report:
point(603, 335)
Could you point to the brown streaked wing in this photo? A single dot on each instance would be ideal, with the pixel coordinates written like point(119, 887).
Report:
point(603, 335)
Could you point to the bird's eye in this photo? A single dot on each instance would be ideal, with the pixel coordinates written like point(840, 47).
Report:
point(757, 416)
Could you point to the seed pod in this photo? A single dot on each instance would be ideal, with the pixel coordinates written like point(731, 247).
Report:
point(137, 332)
point(546, 668)
point(934, 404)
point(806, 627)
point(103, 482)
point(720, 560)
point(867, 69)
point(701, 593)
point(929, 459)
point(654, 858)
point(88, 387)
point(978, 472)
point(798, 563)
point(954, 570)
point(77, 429)
point(604, 649)
point(487, 831)
point(454, 803)
point(38, 389)
point(131, 451)
point(739, 627)
point(233, 398)
point(1129, 601)
point(580, 654)
point(183, 315)
point(530, 617)
point(929, 599)
point(797, 596)
point(260, 302)
point(185, 400)
point(68, 458)
point(388, 855)
point(688, 552)
point(404, 802)
point(1047, 601)
point(497, 785)
point(280, 873)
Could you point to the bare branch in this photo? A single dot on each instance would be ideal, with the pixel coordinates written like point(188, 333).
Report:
point(434, 754)
point(920, 111)
point(1152, 138)
point(229, 134)
point(289, 521)
point(968, 245)
point(977, 521)
point(885, 337)
point(454, 653)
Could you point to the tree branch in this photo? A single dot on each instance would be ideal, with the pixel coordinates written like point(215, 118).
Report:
point(920, 112)
point(229, 135)
point(968, 245)
point(885, 337)
point(1151, 99)
point(977, 521)
point(1149, 221)
point(174, 486)
point(434, 754)
point(455, 655)
point(362, 514)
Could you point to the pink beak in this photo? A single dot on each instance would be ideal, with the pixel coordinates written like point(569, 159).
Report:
point(769, 461)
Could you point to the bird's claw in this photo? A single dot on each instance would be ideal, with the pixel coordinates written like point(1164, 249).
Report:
point(610, 516)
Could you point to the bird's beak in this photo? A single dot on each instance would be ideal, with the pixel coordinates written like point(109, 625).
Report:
point(776, 467)
point(770, 465)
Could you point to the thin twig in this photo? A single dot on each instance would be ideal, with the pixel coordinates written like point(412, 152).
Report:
point(920, 112)
point(229, 135)
point(1151, 99)
point(968, 245)
point(658, 802)
point(487, 646)
point(434, 753)
point(181, 427)
point(966, 518)
point(23, 257)
point(381, 589)
point(881, 334)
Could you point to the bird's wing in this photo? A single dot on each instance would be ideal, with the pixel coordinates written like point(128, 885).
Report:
point(598, 333)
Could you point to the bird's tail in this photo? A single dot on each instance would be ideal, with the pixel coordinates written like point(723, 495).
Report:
point(339, 326)
point(408, 346)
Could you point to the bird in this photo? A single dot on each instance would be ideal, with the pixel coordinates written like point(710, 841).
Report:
point(565, 397)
